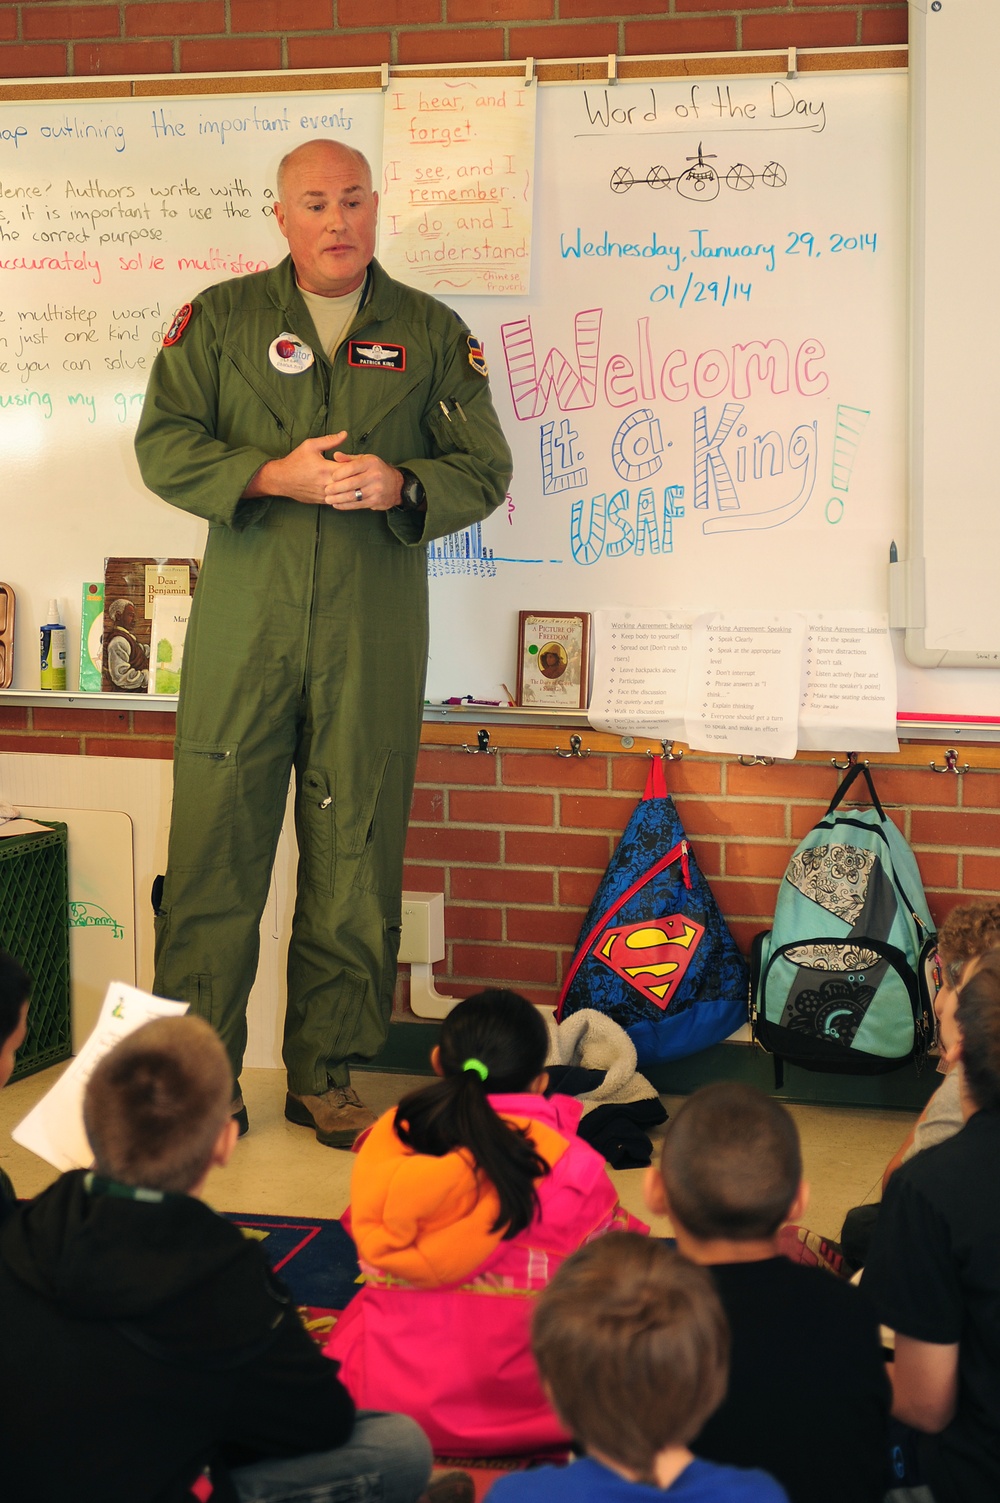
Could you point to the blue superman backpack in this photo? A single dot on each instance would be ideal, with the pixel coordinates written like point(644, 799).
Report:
point(654, 951)
point(837, 983)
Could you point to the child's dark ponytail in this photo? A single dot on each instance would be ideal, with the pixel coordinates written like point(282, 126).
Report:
point(493, 1043)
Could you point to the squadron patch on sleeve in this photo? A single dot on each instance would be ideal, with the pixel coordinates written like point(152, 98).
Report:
point(477, 357)
point(180, 322)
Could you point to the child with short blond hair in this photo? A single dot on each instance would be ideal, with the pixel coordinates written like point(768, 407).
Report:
point(148, 1352)
point(633, 1349)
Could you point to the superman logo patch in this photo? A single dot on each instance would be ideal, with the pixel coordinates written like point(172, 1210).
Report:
point(652, 956)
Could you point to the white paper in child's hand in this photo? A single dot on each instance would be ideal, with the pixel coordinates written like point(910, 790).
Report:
point(54, 1129)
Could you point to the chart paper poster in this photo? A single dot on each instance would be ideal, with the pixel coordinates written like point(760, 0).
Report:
point(457, 182)
point(745, 683)
point(640, 672)
point(849, 687)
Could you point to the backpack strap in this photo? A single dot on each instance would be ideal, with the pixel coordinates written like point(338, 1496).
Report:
point(656, 781)
point(860, 769)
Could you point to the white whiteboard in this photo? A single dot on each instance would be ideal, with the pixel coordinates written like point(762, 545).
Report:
point(790, 362)
point(727, 398)
point(954, 611)
point(137, 204)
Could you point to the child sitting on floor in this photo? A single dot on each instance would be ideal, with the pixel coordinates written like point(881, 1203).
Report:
point(808, 1398)
point(148, 1352)
point(464, 1201)
point(632, 1345)
point(15, 988)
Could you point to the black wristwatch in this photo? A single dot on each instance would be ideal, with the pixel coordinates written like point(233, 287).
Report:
point(413, 497)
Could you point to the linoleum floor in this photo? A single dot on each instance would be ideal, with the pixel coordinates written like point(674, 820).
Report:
point(280, 1169)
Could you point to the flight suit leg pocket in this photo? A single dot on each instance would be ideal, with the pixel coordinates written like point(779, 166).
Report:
point(347, 1031)
point(204, 810)
point(381, 832)
point(315, 829)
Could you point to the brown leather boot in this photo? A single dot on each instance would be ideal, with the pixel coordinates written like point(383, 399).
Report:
point(338, 1115)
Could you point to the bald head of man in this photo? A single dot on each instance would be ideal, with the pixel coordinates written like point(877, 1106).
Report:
point(327, 211)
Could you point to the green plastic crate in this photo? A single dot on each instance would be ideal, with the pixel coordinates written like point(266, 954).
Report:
point(34, 927)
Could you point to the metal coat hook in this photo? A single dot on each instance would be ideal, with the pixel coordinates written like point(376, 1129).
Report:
point(852, 761)
point(950, 764)
point(755, 761)
point(668, 754)
point(575, 748)
point(483, 739)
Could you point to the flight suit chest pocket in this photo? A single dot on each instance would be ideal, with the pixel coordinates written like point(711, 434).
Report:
point(261, 401)
point(204, 811)
point(383, 401)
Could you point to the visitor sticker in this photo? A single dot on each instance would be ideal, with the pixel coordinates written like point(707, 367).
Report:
point(289, 355)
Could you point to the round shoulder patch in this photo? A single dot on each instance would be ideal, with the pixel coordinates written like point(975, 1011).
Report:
point(180, 322)
point(477, 357)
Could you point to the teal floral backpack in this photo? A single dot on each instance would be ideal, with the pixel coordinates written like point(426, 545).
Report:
point(837, 984)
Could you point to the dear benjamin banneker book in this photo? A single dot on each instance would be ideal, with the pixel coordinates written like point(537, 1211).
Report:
point(171, 614)
point(131, 586)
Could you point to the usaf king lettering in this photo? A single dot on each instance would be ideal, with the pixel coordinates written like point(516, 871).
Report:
point(327, 422)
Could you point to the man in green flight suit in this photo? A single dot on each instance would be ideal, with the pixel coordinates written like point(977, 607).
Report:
point(327, 421)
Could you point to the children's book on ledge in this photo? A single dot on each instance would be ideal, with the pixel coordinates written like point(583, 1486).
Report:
point(132, 589)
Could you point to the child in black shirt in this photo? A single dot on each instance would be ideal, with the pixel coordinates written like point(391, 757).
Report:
point(808, 1397)
point(15, 988)
point(934, 1267)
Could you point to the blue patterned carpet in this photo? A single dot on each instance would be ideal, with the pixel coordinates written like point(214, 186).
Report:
point(315, 1258)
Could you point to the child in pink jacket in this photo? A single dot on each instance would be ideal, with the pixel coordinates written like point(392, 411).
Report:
point(464, 1201)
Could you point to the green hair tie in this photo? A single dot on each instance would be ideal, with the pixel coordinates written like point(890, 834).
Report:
point(477, 1066)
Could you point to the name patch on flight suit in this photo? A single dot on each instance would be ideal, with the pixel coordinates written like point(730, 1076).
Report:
point(385, 357)
point(289, 355)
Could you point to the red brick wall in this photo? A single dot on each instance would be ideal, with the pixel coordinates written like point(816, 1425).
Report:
point(43, 38)
point(518, 843)
point(91, 732)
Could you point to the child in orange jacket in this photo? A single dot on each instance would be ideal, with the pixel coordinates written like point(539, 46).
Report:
point(464, 1201)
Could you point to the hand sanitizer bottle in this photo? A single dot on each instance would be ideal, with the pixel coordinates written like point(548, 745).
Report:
point(53, 650)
